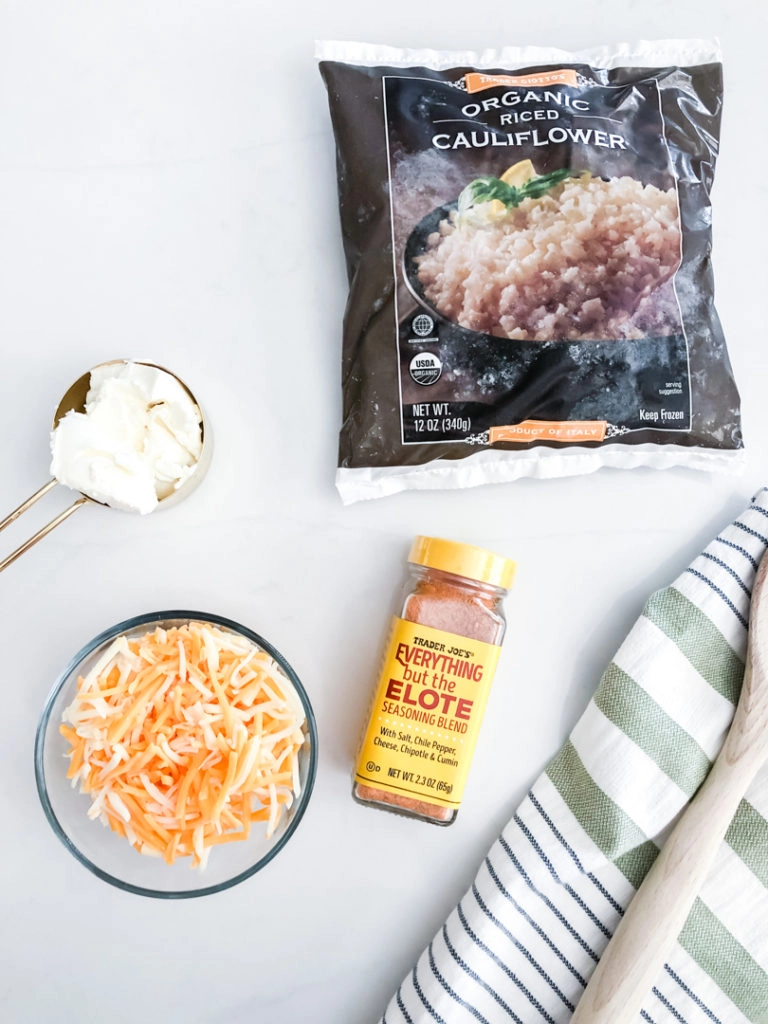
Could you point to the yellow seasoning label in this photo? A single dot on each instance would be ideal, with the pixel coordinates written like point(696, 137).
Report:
point(427, 713)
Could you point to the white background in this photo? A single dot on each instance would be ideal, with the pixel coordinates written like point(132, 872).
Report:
point(167, 191)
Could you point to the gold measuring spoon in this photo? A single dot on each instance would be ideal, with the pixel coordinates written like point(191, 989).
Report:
point(642, 942)
point(74, 400)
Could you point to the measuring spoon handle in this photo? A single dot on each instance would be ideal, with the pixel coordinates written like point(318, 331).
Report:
point(28, 503)
point(45, 529)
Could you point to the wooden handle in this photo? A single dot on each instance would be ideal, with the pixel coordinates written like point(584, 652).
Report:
point(646, 934)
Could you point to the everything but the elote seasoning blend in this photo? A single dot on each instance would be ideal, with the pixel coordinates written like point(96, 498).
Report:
point(435, 681)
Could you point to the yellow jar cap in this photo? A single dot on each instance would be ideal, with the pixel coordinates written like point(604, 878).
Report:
point(463, 560)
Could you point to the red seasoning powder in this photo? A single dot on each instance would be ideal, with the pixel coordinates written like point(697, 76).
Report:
point(435, 681)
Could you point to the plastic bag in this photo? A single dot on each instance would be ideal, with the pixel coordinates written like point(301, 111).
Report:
point(527, 235)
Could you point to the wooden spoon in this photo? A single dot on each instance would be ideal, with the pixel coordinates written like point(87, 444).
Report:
point(636, 954)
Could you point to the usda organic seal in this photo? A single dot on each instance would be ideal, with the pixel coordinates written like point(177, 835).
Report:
point(425, 368)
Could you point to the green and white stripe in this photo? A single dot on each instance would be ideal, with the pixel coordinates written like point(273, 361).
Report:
point(521, 944)
point(670, 694)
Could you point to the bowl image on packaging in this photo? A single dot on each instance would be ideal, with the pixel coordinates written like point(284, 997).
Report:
point(222, 740)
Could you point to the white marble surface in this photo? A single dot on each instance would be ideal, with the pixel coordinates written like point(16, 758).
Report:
point(167, 191)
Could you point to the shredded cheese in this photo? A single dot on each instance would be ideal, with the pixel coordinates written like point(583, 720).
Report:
point(183, 738)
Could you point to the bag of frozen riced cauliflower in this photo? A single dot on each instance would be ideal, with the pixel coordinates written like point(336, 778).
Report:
point(527, 235)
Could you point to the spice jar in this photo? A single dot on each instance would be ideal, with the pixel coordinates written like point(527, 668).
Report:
point(435, 681)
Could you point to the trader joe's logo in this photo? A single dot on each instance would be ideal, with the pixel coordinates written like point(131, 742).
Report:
point(476, 81)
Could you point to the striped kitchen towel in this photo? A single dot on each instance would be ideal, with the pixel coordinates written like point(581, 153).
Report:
point(522, 943)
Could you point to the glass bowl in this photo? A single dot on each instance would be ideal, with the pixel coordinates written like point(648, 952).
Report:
point(110, 856)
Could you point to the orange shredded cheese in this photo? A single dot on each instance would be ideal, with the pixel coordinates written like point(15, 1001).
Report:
point(183, 738)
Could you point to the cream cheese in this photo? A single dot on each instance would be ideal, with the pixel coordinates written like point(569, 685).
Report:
point(138, 440)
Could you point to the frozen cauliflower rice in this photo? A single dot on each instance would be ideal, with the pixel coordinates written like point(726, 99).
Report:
point(576, 264)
